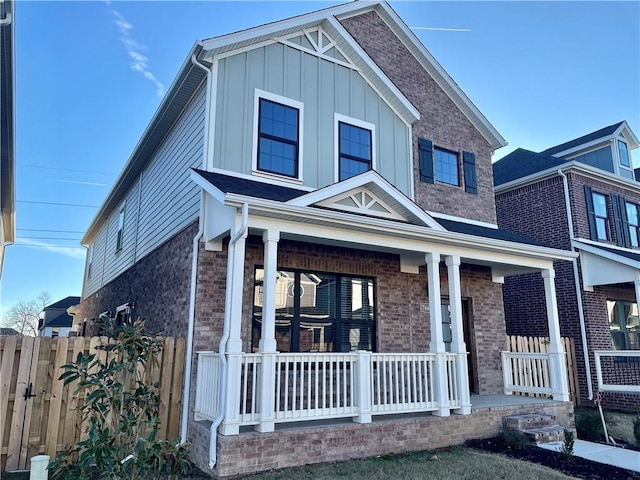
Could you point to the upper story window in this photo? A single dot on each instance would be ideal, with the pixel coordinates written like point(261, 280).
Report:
point(120, 233)
point(89, 261)
point(446, 163)
point(278, 142)
point(601, 217)
point(443, 165)
point(623, 152)
point(633, 225)
point(355, 150)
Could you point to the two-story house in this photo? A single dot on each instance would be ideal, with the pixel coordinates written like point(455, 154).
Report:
point(312, 206)
point(582, 196)
point(56, 320)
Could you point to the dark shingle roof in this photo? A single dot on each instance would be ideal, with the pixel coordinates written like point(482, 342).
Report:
point(251, 188)
point(631, 255)
point(62, 320)
point(64, 303)
point(486, 232)
point(521, 163)
point(589, 137)
point(6, 331)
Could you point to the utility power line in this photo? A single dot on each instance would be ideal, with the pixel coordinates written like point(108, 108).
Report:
point(51, 231)
point(20, 237)
point(65, 169)
point(58, 204)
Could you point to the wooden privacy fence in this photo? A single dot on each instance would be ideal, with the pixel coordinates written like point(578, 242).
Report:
point(38, 415)
point(541, 345)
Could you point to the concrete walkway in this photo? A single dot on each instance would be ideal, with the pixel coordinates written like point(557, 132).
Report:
point(616, 456)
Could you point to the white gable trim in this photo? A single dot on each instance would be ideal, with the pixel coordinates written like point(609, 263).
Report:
point(625, 131)
point(593, 249)
point(362, 201)
point(354, 183)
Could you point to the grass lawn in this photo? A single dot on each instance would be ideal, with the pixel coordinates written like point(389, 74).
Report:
point(457, 463)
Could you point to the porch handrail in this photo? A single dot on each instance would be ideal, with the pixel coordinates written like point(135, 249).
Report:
point(526, 373)
point(626, 371)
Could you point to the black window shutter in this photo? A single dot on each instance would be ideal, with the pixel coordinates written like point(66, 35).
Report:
point(425, 157)
point(469, 167)
point(591, 213)
point(620, 220)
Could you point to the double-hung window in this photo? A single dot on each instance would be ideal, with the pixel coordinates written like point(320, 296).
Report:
point(623, 152)
point(278, 138)
point(355, 150)
point(633, 224)
point(318, 312)
point(597, 215)
point(446, 164)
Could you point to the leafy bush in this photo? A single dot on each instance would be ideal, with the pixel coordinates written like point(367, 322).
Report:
point(589, 425)
point(514, 439)
point(120, 412)
point(636, 428)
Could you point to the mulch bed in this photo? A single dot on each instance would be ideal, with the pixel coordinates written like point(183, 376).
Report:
point(574, 466)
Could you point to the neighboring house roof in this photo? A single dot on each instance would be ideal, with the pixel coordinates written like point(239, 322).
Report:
point(521, 163)
point(260, 190)
point(61, 320)
point(191, 76)
point(64, 303)
point(622, 253)
point(6, 332)
point(589, 137)
point(7, 122)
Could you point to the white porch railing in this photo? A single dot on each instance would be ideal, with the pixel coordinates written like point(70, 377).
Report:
point(331, 385)
point(208, 383)
point(526, 373)
point(618, 370)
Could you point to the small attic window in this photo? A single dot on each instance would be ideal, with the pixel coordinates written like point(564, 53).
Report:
point(623, 151)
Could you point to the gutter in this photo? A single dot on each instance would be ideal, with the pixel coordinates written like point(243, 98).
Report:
point(241, 232)
point(576, 278)
point(184, 417)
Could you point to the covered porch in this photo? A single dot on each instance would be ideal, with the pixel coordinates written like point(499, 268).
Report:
point(256, 384)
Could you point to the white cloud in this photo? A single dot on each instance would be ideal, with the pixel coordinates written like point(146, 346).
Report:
point(140, 63)
point(73, 252)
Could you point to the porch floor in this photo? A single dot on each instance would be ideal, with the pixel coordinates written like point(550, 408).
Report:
point(490, 401)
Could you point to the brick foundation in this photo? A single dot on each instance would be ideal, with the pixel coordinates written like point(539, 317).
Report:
point(254, 452)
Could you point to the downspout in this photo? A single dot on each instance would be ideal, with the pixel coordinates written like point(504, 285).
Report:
point(576, 278)
point(225, 334)
point(194, 268)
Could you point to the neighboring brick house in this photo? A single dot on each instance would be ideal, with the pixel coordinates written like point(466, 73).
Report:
point(314, 200)
point(590, 179)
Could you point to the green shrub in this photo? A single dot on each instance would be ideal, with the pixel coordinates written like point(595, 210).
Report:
point(589, 425)
point(514, 439)
point(567, 444)
point(636, 428)
point(120, 411)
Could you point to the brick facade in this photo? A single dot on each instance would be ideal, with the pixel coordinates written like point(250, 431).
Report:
point(252, 452)
point(538, 211)
point(158, 286)
point(440, 121)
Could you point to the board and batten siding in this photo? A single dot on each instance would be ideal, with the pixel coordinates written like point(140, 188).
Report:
point(162, 201)
point(325, 88)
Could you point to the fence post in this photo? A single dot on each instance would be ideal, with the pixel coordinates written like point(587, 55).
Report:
point(363, 387)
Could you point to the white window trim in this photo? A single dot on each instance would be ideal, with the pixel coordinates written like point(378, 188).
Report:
point(618, 159)
point(90, 261)
point(259, 94)
point(356, 122)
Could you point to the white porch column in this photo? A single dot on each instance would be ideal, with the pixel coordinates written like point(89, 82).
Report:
point(436, 344)
point(457, 335)
point(235, 281)
point(267, 345)
point(559, 381)
point(636, 285)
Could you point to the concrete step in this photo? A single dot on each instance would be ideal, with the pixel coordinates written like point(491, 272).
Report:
point(551, 433)
point(529, 421)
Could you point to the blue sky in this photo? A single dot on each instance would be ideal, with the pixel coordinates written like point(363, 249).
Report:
point(90, 76)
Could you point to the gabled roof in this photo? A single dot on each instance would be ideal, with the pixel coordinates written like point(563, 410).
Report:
point(589, 137)
point(7, 331)
point(521, 163)
point(250, 188)
point(64, 303)
point(190, 77)
point(61, 320)
point(495, 233)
